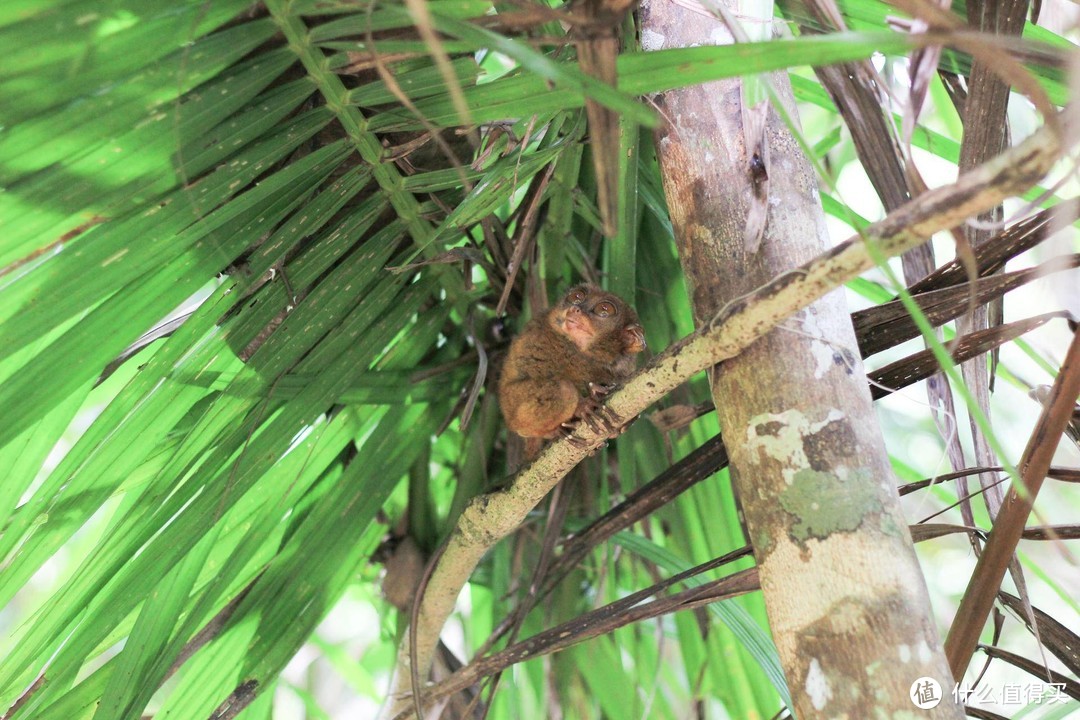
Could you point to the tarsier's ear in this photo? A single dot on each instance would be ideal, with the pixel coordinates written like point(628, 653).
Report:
point(633, 338)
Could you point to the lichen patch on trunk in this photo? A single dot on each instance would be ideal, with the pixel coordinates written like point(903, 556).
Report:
point(825, 503)
point(782, 437)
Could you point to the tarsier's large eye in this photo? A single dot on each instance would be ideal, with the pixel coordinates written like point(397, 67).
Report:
point(576, 297)
point(605, 309)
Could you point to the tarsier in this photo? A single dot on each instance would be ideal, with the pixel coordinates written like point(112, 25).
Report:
point(565, 361)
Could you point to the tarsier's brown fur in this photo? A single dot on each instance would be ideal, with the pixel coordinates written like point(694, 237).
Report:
point(565, 359)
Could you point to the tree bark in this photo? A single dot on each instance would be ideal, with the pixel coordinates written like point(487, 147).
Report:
point(843, 588)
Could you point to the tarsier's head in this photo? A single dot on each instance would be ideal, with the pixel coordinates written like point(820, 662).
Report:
point(598, 322)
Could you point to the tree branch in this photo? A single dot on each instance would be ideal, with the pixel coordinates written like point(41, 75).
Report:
point(985, 581)
point(490, 517)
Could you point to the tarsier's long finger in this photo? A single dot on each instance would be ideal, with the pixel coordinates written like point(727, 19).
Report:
point(613, 417)
point(576, 441)
point(610, 428)
point(567, 429)
point(596, 422)
point(600, 390)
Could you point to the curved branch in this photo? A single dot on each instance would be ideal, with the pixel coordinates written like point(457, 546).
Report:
point(490, 517)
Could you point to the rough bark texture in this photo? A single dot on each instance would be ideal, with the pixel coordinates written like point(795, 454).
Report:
point(845, 594)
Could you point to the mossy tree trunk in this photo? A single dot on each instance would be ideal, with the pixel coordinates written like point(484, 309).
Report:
point(844, 591)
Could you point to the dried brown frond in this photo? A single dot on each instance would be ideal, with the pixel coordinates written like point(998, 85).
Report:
point(887, 325)
point(1062, 642)
point(923, 364)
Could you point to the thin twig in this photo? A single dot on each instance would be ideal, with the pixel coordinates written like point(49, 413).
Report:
point(982, 588)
